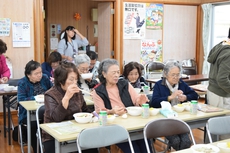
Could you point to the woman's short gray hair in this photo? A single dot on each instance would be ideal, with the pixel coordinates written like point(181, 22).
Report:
point(82, 58)
point(169, 65)
point(104, 66)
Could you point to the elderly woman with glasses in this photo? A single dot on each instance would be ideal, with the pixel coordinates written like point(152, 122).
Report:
point(32, 84)
point(173, 89)
point(82, 63)
point(114, 95)
point(62, 101)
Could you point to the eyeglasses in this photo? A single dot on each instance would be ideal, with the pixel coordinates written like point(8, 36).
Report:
point(175, 75)
point(83, 69)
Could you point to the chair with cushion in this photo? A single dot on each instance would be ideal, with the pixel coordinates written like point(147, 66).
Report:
point(218, 126)
point(102, 136)
point(153, 66)
point(165, 127)
point(153, 70)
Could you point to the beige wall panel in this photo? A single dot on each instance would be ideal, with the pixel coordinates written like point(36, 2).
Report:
point(104, 30)
point(179, 36)
point(62, 12)
point(18, 11)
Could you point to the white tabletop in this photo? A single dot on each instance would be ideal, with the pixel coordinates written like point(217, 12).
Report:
point(132, 123)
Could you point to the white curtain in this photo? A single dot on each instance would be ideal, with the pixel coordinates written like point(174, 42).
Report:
point(207, 20)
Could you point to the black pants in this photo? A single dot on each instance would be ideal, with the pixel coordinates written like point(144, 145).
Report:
point(180, 141)
point(33, 134)
point(49, 147)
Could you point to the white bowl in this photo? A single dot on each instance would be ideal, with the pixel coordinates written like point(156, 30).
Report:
point(154, 111)
point(8, 88)
point(87, 75)
point(39, 98)
point(110, 118)
point(205, 148)
point(223, 147)
point(134, 110)
point(138, 90)
point(179, 108)
point(186, 105)
point(83, 117)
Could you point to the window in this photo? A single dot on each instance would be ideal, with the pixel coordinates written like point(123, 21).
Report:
point(221, 23)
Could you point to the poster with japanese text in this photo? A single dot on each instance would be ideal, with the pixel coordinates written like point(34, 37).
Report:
point(134, 20)
point(4, 26)
point(154, 16)
point(21, 34)
point(151, 50)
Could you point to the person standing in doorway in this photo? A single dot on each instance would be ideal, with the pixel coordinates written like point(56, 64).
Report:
point(69, 44)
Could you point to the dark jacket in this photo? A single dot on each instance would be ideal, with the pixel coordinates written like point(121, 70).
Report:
point(46, 69)
point(122, 85)
point(54, 110)
point(219, 75)
point(161, 92)
point(26, 92)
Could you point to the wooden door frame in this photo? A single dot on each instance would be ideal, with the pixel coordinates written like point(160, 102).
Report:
point(38, 8)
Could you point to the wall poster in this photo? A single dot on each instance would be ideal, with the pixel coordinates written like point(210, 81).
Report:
point(134, 20)
point(154, 16)
point(151, 50)
point(21, 34)
point(4, 26)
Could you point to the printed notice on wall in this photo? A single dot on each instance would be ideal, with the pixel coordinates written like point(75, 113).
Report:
point(4, 26)
point(134, 20)
point(21, 34)
point(151, 50)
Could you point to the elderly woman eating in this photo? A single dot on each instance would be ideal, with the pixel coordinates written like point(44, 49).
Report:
point(114, 94)
point(62, 101)
point(173, 89)
point(82, 62)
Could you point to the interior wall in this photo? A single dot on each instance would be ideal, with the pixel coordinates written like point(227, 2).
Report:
point(179, 35)
point(18, 11)
point(62, 12)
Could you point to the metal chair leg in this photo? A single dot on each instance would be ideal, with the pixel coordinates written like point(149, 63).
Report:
point(20, 138)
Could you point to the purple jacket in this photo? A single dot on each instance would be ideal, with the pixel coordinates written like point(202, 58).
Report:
point(4, 70)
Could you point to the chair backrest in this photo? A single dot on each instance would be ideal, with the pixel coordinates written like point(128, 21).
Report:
point(154, 67)
point(165, 127)
point(218, 126)
point(102, 136)
point(40, 119)
point(13, 82)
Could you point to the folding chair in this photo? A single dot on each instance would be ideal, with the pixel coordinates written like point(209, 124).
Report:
point(40, 119)
point(165, 127)
point(218, 126)
point(102, 136)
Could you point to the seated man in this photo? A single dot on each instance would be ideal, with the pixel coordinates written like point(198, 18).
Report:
point(93, 63)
